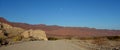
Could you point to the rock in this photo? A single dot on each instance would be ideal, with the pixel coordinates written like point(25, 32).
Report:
point(36, 34)
point(0, 25)
point(12, 31)
point(1, 33)
point(9, 32)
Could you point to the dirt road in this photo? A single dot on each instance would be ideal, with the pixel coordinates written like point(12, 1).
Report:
point(44, 45)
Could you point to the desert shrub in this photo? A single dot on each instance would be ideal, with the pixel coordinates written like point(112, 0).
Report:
point(100, 41)
point(113, 37)
point(2, 37)
point(5, 33)
point(69, 38)
point(1, 26)
point(89, 38)
point(52, 38)
point(17, 38)
point(85, 38)
point(3, 40)
point(32, 39)
point(101, 37)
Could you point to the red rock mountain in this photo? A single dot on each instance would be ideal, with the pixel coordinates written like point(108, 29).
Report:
point(60, 31)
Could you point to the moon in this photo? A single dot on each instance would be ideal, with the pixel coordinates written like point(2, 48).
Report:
point(60, 8)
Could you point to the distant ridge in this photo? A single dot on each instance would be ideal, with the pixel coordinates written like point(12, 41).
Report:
point(61, 31)
point(4, 20)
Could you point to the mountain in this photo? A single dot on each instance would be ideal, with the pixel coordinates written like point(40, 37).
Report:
point(3, 20)
point(60, 31)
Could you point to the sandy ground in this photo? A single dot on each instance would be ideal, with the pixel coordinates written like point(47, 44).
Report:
point(44, 45)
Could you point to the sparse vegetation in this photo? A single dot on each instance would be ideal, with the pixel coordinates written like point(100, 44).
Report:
point(3, 40)
point(17, 38)
point(103, 37)
point(90, 38)
point(5, 33)
point(52, 38)
point(100, 41)
point(32, 38)
point(113, 37)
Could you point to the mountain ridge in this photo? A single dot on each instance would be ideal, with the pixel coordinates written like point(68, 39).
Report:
point(61, 31)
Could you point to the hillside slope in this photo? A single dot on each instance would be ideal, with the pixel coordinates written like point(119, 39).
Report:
point(61, 31)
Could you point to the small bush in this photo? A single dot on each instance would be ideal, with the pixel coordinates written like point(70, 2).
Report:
point(113, 37)
point(93, 38)
point(3, 40)
point(52, 38)
point(17, 38)
point(100, 41)
point(5, 33)
point(32, 38)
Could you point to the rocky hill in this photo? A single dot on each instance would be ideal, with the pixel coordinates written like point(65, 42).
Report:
point(10, 34)
point(60, 31)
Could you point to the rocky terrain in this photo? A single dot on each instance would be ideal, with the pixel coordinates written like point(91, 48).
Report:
point(10, 34)
point(62, 45)
point(60, 31)
point(36, 34)
point(22, 36)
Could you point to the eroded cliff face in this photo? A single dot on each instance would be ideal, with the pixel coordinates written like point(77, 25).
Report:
point(36, 34)
point(12, 31)
point(10, 34)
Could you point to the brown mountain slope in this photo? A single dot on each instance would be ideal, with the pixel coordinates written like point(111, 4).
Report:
point(65, 31)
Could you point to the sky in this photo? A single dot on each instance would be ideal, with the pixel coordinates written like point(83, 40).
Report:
point(100, 14)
